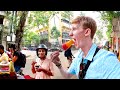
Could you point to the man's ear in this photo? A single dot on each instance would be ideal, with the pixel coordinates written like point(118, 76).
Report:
point(88, 32)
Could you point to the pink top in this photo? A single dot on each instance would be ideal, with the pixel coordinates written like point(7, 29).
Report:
point(46, 64)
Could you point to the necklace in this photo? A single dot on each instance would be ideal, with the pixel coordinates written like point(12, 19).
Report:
point(41, 62)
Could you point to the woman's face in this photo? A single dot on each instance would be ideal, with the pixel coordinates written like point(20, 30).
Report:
point(11, 50)
point(78, 34)
point(41, 53)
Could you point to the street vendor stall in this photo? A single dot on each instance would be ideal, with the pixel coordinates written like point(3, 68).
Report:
point(7, 70)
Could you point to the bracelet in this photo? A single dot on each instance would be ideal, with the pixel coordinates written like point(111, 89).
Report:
point(59, 65)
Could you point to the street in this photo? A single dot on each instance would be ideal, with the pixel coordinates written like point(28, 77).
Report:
point(31, 55)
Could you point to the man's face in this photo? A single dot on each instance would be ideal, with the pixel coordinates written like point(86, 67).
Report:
point(78, 34)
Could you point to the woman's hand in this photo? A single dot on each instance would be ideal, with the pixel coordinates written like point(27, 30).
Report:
point(33, 63)
point(33, 68)
point(39, 69)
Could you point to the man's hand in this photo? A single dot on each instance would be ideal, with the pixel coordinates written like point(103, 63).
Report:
point(55, 58)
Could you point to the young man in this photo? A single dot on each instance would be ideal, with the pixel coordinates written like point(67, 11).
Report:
point(16, 58)
point(104, 65)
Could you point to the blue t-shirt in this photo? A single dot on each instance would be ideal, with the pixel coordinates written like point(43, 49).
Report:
point(105, 64)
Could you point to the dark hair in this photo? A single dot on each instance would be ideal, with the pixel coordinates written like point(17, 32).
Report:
point(1, 47)
point(42, 46)
point(12, 46)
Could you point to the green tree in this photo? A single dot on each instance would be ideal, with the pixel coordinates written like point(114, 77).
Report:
point(99, 35)
point(30, 38)
point(36, 19)
point(20, 28)
point(16, 25)
point(55, 33)
point(67, 15)
point(64, 15)
point(108, 16)
point(40, 19)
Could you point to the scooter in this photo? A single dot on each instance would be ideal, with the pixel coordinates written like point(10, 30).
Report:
point(20, 72)
point(21, 75)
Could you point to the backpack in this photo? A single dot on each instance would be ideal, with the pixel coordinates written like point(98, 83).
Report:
point(22, 62)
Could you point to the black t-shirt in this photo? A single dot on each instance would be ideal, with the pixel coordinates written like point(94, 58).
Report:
point(68, 53)
point(16, 63)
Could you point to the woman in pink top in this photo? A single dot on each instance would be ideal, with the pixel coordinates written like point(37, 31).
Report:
point(42, 67)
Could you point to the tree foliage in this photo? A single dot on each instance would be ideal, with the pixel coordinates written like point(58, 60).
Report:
point(16, 25)
point(31, 38)
point(108, 16)
point(55, 33)
point(41, 19)
point(99, 34)
point(67, 15)
point(35, 19)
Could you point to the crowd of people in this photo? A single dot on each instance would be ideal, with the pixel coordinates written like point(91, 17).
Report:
point(90, 62)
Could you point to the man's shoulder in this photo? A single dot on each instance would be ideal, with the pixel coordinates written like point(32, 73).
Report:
point(106, 56)
point(106, 52)
point(17, 53)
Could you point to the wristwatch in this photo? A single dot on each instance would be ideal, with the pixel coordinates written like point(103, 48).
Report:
point(59, 65)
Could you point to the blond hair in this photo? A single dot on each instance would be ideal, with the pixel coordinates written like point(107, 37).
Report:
point(86, 22)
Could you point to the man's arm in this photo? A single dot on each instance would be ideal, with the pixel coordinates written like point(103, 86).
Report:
point(64, 73)
point(14, 58)
point(55, 59)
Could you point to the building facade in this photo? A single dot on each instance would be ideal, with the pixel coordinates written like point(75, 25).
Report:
point(62, 25)
point(115, 35)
